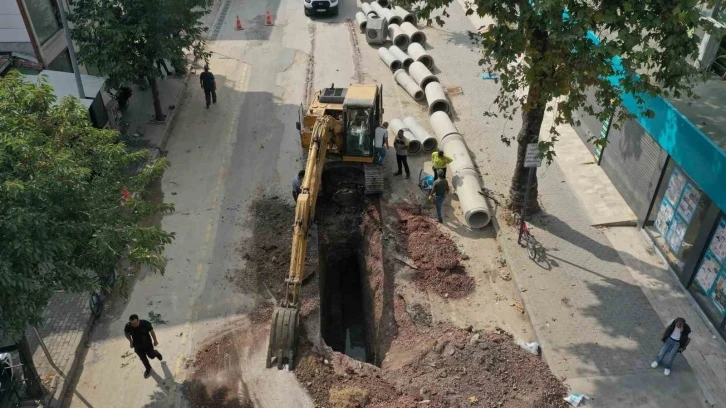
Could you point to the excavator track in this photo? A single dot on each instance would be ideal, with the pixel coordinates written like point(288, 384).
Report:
point(373, 179)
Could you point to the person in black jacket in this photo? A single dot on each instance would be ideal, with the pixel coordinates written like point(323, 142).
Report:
point(675, 340)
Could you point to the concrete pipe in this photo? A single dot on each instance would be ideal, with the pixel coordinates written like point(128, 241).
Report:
point(401, 55)
point(390, 60)
point(464, 176)
point(383, 3)
point(416, 35)
point(386, 14)
point(368, 10)
point(398, 37)
point(428, 142)
point(421, 74)
point(418, 53)
point(436, 98)
point(414, 145)
point(407, 16)
point(408, 84)
point(362, 20)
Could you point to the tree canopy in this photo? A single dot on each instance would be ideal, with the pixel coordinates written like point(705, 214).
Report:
point(560, 50)
point(125, 38)
point(72, 201)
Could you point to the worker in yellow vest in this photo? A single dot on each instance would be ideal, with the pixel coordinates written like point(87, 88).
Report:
point(440, 162)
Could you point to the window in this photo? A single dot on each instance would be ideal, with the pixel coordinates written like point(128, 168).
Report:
point(44, 17)
point(62, 62)
point(359, 141)
point(709, 285)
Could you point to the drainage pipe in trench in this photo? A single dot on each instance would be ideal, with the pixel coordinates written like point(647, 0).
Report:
point(465, 178)
point(428, 142)
point(407, 16)
point(417, 52)
point(416, 35)
point(368, 10)
point(421, 74)
point(414, 145)
point(397, 36)
point(362, 20)
point(436, 98)
point(390, 60)
point(401, 55)
point(408, 84)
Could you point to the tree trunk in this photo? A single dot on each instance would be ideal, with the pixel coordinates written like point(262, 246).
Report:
point(529, 133)
point(158, 113)
point(32, 380)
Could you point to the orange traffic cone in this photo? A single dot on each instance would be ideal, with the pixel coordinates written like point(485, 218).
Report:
point(239, 25)
point(268, 18)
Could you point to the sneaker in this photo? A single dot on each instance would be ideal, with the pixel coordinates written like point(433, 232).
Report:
point(667, 372)
point(397, 174)
point(147, 373)
point(440, 221)
point(654, 364)
point(159, 356)
point(408, 176)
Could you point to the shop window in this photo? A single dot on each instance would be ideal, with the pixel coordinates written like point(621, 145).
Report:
point(675, 221)
point(44, 17)
point(709, 285)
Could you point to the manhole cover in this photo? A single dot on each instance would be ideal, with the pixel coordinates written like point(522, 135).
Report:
point(454, 90)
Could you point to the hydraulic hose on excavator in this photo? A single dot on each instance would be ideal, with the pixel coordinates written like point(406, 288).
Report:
point(285, 324)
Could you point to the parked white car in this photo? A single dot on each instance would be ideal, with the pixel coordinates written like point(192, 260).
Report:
point(313, 7)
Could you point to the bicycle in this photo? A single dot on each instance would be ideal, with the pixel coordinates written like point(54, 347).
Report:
point(105, 283)
point(529, 241)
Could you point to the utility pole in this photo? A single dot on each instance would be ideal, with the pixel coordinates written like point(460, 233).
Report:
point(71, 51)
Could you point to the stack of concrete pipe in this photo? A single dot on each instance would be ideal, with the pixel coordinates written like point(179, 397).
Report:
point(389, 59)
point(416, 35)
point(398, 37)
point(465, 178)
point(405, 15)
point(418, 53)
point(414, 145)
point(428, 142)
point(407, 83)
point(401, 55)
point(421, 74)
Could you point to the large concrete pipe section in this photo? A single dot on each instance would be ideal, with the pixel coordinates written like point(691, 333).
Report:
point(414, 145)
point(428, 142)
point(398, 37)
point(384, 3)
point(408, 84)
point(401, 55)
point(362, 20)
point(418, 53)
point(390, 60)
point(387, 14)
point(464, 176)
point(436, 98)
point(368, 10)
point(407, 16)
point(421, 74)
point(416, 35)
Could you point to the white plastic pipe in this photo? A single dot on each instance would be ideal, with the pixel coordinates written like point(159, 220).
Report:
point(416, 35)
point(368, 10)
point(428, 142)
point(408, 84)
point(405, 15)
point(436, 98)
point(414, 145)
point(421, 74)
point(401, 55)
point(389, 59)
point(398, 37)
point(418, 53)
point(465, 178)
point(362, 20)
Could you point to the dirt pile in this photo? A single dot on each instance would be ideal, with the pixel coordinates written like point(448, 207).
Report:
point(433, 253)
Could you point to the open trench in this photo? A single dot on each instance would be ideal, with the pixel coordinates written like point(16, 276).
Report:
point(348, 266)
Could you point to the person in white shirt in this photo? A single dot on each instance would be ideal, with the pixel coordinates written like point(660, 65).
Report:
point(675, 340)
point(380, 142)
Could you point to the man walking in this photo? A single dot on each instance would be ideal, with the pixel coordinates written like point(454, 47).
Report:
point(439, 190)
point(675, 340)
point(297, 184)
point(440, 162)
point(381, 140)
point(206, 79)
point(400, 144)
point(139, 333)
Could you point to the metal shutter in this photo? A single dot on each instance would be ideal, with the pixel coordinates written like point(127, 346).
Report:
point(590, 127)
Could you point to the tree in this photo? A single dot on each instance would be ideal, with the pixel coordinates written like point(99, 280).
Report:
point(125, 38)
point(72, 202)
point(542, 53)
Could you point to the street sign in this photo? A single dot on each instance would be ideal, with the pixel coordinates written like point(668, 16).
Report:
point(530, 158)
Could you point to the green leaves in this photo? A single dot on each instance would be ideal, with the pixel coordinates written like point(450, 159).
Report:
point(61, 190)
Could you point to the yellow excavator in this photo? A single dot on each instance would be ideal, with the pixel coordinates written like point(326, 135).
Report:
point(336, 130)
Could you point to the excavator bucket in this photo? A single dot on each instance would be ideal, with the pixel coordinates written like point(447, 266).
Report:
point(283, 337)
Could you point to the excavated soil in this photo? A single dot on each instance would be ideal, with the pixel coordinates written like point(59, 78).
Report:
point(434, 254)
